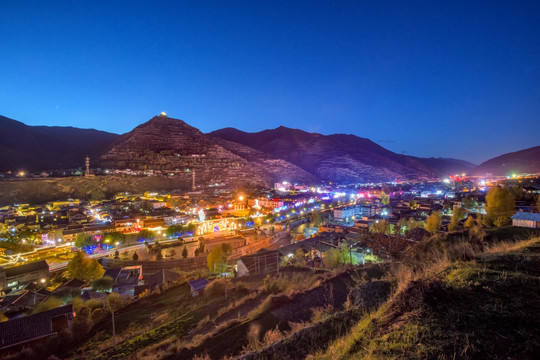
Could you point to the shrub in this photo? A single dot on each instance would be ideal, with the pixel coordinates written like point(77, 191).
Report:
point(215, 288)
point(50, 303)
point(275, 284)
point(94, 304)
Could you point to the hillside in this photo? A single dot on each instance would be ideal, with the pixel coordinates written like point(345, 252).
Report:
point(340, 157)
point(449, 298)
point(42, 190)
point(164, 143)
point(524, 161)
point(34, 148)
point(446, 166)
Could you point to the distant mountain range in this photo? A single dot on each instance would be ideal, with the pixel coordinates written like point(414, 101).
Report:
point(340, 158)
point(46, 147)
point(164, 143)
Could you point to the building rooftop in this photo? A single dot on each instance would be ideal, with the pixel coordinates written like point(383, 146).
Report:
point(520, 215)
point(26, 268)
point(198, 284)
point(30, 327)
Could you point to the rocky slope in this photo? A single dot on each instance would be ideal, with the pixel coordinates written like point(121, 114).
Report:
point(165, 143)
point(339, 157)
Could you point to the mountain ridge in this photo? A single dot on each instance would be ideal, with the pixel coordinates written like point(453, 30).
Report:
point(521, 161)
point(266, 156)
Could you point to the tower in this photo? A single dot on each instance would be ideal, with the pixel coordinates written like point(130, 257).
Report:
point(87, 163)
point(193, 180)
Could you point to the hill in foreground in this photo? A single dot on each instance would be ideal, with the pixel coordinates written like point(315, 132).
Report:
point(451, 298)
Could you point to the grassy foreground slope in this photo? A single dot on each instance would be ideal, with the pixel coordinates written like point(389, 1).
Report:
point(449, 297)
point(484, 308)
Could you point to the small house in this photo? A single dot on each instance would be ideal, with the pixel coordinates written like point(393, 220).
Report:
point(197, 286)
point(16, 333)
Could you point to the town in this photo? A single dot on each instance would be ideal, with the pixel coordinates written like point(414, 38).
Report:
point(60, 257)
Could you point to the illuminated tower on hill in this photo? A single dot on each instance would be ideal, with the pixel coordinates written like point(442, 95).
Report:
point(193, 180)
point(87, 165)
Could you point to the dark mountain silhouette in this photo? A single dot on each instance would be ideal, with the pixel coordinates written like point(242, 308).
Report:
point(167, 144)
point(34, 148)
point(523, 161)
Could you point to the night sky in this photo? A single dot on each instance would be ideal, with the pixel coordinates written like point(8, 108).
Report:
point(431, 78)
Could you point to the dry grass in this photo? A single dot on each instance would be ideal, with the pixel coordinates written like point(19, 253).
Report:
point(271, 302)
point(255, 342)
point(509, 246)
point(199, 339)
point(236, 304)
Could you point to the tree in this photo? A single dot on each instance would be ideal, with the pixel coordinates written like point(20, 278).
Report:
point(114, 237)
point(191, 227)
point(114, 302)
point(174, 231)
point(49, 304)
point(135, 256)
point(469, 223)
point(413, 224)
point(214, 257)
point(469, 203)
point(300, 256)
point(380, 227)
point(84, 268)
point(385, 199)
point(433, 222)
point(457, 215)
point(338, 256)
point(145, 235)
point(66, 294)
point(104, 284)
point(3, 317)
point(401, 226)
point(84, 241)
point(26, 234)
point(185, 252)
point(500, 205)
point(331, 258)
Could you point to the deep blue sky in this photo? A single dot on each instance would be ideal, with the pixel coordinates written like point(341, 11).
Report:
point(426, 78)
